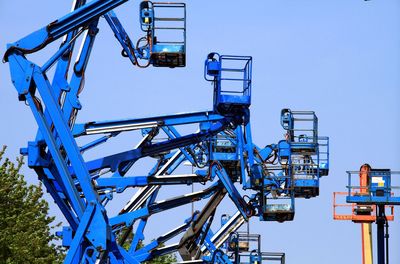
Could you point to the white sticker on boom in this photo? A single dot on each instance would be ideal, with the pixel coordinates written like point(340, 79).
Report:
point(377, 180)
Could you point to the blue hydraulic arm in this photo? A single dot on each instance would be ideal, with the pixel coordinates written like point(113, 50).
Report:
point(61, 101)
point(121, 183)
point(128, 48)
point(143, 194)
point(150, 191)
point(92, 128)
point(157, 207)
point(148, 194)
point(80, 17)
point(245, 209)
point(222, 148)
point(113, 161)
point(152, 250)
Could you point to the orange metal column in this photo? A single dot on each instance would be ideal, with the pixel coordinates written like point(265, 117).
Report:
point(366, 236)
point(366, 232)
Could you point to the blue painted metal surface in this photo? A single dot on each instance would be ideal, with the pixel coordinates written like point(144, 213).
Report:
point(221, 150)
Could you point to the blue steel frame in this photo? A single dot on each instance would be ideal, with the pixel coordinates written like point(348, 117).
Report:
point(82, 189)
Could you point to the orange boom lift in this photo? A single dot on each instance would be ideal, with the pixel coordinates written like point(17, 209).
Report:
point(362, 214)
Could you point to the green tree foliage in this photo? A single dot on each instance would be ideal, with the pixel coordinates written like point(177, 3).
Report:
point(166, 259)
point(25, 227)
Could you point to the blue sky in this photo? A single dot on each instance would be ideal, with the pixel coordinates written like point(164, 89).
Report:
point(339, 58)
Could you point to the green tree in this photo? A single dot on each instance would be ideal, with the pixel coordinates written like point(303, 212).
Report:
point(25, 227)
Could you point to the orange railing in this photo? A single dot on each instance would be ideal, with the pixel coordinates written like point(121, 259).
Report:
point(367, 218)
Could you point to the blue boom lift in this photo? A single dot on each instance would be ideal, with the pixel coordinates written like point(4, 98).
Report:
point(221, 150)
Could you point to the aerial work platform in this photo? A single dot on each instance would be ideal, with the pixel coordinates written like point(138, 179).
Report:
point(165, 25)
point(231, 76)
point(302, 130)
point(378, 190)
point(309, 153)
point(357, 213)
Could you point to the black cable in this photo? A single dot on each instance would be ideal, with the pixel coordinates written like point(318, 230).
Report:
point(386, 236)
point(137, 47)
point(193, 155)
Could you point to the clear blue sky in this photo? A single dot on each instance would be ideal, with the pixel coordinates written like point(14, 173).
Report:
point(340, 58)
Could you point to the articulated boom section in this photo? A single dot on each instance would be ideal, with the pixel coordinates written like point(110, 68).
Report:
point(221, 151)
